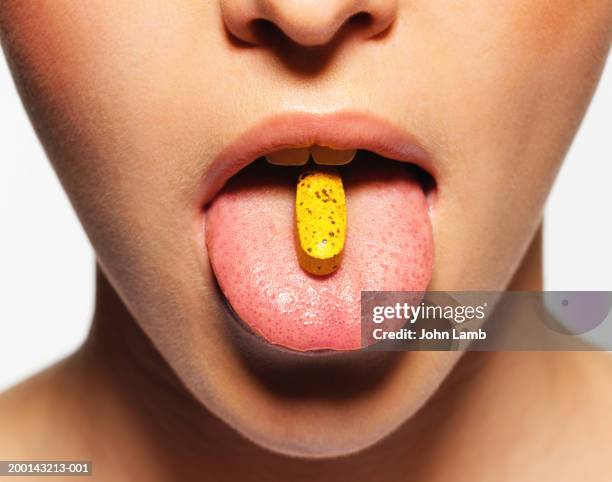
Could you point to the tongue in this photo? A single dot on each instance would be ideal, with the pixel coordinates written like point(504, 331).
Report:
point(250, 236)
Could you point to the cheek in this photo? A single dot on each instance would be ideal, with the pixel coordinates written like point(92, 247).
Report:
point(112, 106)
point(506, 68)
point(107, 88)
point(514, 82)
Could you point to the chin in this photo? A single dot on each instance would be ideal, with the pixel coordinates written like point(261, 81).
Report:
point(321, 406)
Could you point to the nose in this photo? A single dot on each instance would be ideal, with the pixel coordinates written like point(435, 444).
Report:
point(308, 23)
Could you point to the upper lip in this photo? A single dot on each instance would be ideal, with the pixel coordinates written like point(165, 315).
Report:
point(341, 130)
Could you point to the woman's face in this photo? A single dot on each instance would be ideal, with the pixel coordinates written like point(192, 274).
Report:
point(141, 106)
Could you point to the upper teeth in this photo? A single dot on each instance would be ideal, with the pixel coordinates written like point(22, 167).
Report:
point(290, 157)
point(331, 157)
point(320, 155)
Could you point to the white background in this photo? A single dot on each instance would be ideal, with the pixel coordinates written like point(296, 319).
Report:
point(47, 265)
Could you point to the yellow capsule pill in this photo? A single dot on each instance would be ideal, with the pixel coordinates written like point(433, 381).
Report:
point(320, 209)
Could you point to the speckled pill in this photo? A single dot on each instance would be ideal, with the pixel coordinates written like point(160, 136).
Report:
point(320, 209)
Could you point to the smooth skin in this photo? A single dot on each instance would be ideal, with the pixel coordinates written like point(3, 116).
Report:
point(132, 100)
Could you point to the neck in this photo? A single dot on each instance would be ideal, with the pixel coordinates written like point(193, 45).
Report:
point(151, 419)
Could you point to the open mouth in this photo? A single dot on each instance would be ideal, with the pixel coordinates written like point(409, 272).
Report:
point(253, 242)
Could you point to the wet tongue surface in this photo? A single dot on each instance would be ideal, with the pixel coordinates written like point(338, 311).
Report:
point(250, 237)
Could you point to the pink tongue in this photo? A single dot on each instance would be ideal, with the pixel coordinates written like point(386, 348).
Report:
point(251, 245)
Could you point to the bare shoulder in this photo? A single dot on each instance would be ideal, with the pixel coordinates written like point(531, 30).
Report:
point(32, 411)
point(586, 381)
point(595, 371)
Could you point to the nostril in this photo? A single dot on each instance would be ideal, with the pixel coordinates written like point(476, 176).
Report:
point(361, 20)
point(371, 25)
point(307, 23)
point(266, 31)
